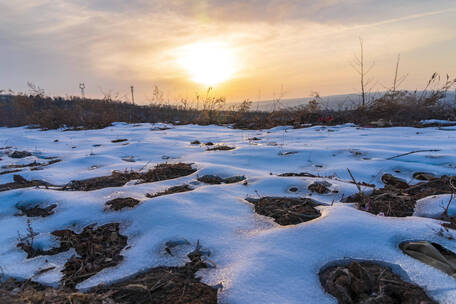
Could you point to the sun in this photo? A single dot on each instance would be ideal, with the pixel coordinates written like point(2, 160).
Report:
point(209, 63)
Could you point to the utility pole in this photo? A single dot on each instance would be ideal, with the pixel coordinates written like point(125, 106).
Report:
point(82, 87)
point(132, 94)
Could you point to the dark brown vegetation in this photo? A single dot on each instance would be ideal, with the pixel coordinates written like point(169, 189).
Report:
point(220, 148)
point(35, 210)
point(217, 180)
point(398, 198)
point(161, 285)
point(122, 202)
point(171, 190)
point(393, 108)
point(286, 210)
point(117, 179)
point(97, 248)
point(366, 282)
point(320, 187)
point(20, 182)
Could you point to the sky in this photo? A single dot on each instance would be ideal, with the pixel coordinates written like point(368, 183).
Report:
point(250, 49)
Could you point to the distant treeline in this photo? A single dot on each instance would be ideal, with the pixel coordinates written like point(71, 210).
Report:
point(393, 108)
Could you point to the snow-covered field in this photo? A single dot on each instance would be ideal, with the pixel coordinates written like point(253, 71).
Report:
point(258, 261)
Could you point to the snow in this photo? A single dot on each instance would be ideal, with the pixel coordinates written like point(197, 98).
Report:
point(258, 261)
point(434, 206)
point(437, 121)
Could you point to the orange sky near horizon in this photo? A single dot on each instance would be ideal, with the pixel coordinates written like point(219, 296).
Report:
point(243, 49)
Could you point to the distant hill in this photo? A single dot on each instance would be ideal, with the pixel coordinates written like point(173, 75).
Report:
point(333, 102)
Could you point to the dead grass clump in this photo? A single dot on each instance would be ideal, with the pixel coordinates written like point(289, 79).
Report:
point(286, 210)
point(20, 154)
point(220, 148)
point(398, 198)
point(171, 190)
point(366, 282)
point(160, 285)
point(35, 210)
point(96, 248)
point(120, 203)
point(33, 165)
point(119, 140)
point(117, 179)
point(217, 180)
point(20, 182)
point(320, 187)
point(302, 174)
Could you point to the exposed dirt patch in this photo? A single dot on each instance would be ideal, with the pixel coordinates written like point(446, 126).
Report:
point(35, 210)
point(398, 198)
point(20, 154)
point(120, 203)
point(217, 180)
point(220, 148)
point(195, 142)
point(367, 282)
point(254, 138)
point(320, 187)
point(171, 190)
point(119, 140)
point(286, 210)
point(117, 179)
point(161, 285)
point(20, 182)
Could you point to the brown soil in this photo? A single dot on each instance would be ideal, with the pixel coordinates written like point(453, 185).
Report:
point(161, 285)
point(36, 210)
point(217, 180)
point(220, 148)
point(398, 198)
point(286, 210)
point(195, 142)
point(117, 179)
point(367, 282)
point(320, 187)
point(120, 203)
point(20, 154)
point(119, 140)
point(171, 190)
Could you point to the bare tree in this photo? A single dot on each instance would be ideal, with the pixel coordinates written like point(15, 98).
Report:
point(359, 66)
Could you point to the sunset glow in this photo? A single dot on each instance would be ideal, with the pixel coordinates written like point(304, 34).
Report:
point(208, 63)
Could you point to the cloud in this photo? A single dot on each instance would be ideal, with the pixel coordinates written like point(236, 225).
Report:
point(113, 42)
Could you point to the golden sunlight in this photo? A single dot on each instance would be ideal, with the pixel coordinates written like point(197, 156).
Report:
point(209, 63)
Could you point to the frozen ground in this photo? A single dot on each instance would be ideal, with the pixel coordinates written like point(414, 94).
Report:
point(257, 260)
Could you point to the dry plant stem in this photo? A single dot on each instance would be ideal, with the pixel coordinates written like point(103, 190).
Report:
point(361, 193)
point(412, 152)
